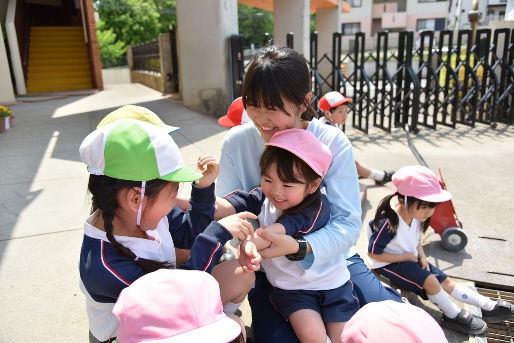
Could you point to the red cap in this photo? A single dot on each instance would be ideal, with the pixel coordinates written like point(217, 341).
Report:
point(236, 114)
point(331, 100)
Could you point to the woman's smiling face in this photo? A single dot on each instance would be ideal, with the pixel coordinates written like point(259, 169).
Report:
point(270, 121)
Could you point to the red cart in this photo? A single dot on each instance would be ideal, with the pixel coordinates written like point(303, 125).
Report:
point(445, 222)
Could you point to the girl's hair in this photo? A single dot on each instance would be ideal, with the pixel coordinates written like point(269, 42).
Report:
point(385, 211)
point(289, 168)
point(278, 73)
point(104, 190)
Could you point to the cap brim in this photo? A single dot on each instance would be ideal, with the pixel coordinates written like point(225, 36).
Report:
point(227, 122)
point(170, 129)
point(185, 174)
point(220, 331)
point(443, 196)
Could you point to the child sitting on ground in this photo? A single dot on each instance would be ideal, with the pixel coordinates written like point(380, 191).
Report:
point(335, 110)
point(135, 172)
point(395, 252)
point(175, 306)
point(318, 300)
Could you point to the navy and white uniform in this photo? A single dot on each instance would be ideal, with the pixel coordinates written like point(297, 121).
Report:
point(408, 275)
point(324, 288)
point(105, 271)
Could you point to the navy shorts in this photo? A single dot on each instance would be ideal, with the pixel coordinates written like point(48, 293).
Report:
point(410, 276)
point(334, 305)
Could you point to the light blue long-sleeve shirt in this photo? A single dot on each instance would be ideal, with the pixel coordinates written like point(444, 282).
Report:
point(241, 149)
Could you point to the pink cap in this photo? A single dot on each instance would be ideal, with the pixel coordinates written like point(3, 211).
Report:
point(236, 114)
point(331, 100)
point(173, 306)
point(421, 183)
point(391, 321)
point(303, 144)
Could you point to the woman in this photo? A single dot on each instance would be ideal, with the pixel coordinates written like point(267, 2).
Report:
point(277, 94)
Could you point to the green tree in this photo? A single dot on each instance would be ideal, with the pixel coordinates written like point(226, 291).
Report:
point(112, 52)
point(132, 22)
point(254, 23)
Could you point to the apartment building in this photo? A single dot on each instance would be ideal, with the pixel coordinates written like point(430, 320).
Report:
point(372, 16)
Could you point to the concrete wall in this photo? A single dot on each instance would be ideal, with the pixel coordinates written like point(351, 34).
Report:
point(328, 21)
point(292, 16)
point(414, 7)
point(116, 75)
point(6, 91)
point(203, 29)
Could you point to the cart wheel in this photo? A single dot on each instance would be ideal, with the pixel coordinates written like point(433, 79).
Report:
point(454, 239)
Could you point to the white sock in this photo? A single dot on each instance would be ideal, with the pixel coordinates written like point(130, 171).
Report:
point(231, 308)
point(377, 174)
point(469, 296)
point(442, 300)
point(328, 340)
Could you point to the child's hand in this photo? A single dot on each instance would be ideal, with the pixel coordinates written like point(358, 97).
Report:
point(410, 257)
point(249, 258)
point(424, 263)
point(238, 226)
point(209, 167)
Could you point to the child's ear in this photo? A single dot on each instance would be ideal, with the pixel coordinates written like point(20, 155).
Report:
point(129, 198)
point(314, 186)
point(326, 113)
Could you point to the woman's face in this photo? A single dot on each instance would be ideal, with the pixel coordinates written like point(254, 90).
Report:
point(270, 121)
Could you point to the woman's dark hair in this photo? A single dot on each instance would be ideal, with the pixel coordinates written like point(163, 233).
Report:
point(385, 211)
point(289, 167)
point(104, 190)
point(277, 73)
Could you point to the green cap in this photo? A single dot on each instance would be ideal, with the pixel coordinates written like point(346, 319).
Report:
point(135, 150)
point(139, 113)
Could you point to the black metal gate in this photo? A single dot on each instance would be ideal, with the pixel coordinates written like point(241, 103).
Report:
point(433, 82)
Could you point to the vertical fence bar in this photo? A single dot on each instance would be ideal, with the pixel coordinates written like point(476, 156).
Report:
point(237, 64)
point(314, 63)
point(174, 59)
point(483, 40)
point(499, 63)
point(399, 79)
point(336, 60)
point(290, 40)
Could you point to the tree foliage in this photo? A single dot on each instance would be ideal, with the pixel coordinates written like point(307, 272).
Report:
point(254, 23)
point(112, 51)
point(131, 22)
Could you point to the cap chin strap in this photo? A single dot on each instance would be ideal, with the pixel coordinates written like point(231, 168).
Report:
point(140, 209)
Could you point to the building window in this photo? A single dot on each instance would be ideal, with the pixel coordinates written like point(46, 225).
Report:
point(431, 0)
point(355, 3)
point(350, 28)
point(436, 24)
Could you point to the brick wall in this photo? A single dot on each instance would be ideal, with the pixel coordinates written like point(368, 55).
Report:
point(94, 50)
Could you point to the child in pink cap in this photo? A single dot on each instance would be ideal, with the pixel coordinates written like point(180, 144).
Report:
point(395, 251)
point(317, 301)
point(175, 306)
point(391, 321)
point(334, 106)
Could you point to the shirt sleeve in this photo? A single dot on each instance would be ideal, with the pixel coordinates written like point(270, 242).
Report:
point(247, 201)
point(342, 189)
point(380, 238)
point(309, 220)
point(228, 179)
point(207, 248)
point(186, 226)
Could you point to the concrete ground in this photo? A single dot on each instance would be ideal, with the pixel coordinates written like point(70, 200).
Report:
point(44, 200)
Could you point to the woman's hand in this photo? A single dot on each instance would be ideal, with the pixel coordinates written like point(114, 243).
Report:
point(249, 257)
point(209, 167)
point(237, 225)
point(281, 244)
